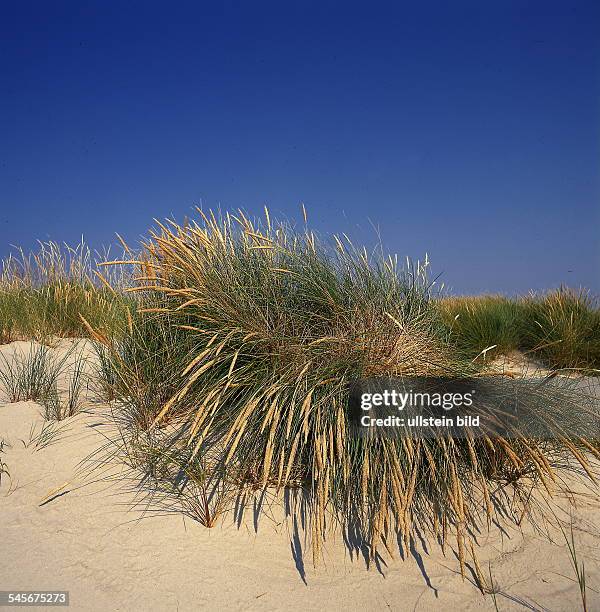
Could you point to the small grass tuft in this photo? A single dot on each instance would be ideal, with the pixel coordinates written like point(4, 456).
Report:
point(48, 434)
point(577, 564)
point(4, 472)
point(29, 376)
point(56, 407)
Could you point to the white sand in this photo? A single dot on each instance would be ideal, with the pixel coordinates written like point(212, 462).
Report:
point(109, 556)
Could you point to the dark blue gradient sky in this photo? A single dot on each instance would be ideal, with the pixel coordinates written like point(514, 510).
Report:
point(468, 130)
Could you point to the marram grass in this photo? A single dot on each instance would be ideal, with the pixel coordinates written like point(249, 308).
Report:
point(240, 355)
point(231, 355)
point(560, 328)
point(483, 326)
point(44, 294)
point(563, 327)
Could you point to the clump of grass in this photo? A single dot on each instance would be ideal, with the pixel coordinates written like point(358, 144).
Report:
point(29, 376)
point(35, 376)
point(242, 352)
point(203, 497)
point(483, 327)
point(178, 482)
point(139, 366)
point(563, 328)
point(107, 382)
point(43, 294)
point(56, 407)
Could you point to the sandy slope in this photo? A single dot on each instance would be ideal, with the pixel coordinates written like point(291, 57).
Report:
point(90, 541)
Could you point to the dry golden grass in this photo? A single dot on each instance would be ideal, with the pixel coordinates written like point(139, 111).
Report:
point(43, 294)
point(561, 328)
point(241, 354)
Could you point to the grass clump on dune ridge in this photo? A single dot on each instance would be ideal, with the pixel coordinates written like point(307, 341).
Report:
point(483, 326)
point(561, 327)
point(246, 340)
point(58, 404)
point(43, 294)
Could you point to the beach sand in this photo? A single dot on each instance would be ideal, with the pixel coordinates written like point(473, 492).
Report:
point(64, 527)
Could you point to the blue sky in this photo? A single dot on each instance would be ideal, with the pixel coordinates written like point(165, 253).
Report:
point(468, 130)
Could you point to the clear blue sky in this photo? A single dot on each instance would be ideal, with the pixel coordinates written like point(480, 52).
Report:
point(470, 130)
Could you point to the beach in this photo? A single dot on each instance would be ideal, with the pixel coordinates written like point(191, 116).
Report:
point(85, 528)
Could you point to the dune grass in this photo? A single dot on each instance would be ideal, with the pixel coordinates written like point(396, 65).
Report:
point(28, 376)
point(560, 328)
point(229, 357)
point(50, 432)
point(577, 564)
point(43, 294)
point(50, 292)
point(484, 327)
point(59, 405)
point(246, 339)
point(34, 375)
point(563, 328)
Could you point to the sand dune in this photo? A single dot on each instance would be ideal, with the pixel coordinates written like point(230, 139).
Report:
point(65, 527)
